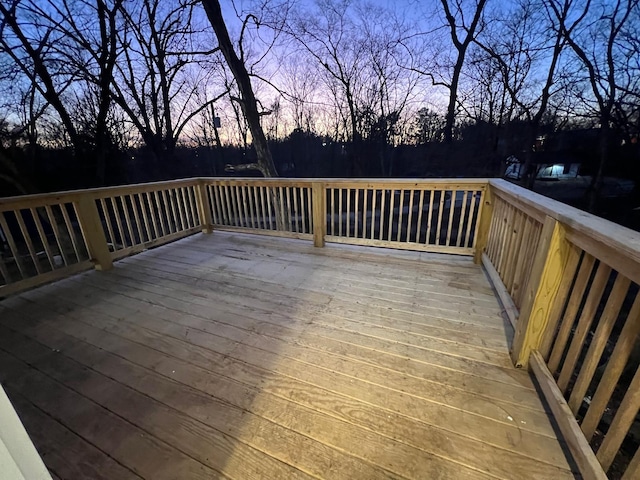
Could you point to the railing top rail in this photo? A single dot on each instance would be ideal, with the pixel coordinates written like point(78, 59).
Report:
point(360, 182)
point(616, 237)
point(26, 201)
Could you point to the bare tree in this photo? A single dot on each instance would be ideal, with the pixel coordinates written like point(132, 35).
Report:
point(33, 52)
point(358, 52)
point(595, 30)
point(522, 58)
point(248, 100)
point(156, 81)
point(462, 35)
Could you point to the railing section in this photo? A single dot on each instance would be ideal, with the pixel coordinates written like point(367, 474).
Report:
point(430, 216)
point(513, 238)
point(43, 240)
point(142, 216)
point(46, 237)
point(579, 319)
point(272, 207)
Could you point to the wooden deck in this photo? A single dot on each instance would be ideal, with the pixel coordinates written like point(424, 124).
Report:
point(239, 356)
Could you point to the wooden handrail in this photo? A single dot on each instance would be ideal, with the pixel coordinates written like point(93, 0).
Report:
point(569, 299)
point(607, 233)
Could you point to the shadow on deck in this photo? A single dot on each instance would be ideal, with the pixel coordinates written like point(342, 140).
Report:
point(236, 356)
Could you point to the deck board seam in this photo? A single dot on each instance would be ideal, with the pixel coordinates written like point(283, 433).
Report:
point(328, 325)
point(137, 427)
point(197, 281)
point(517, 385)
point(13, 391)
point(292, 401)
point(326, 413)
point(345, 375)
point(321, 307)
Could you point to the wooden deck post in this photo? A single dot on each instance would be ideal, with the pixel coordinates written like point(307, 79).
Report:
point(484, 223)
point(542, 289)
point(319, 201)
point(204, 207)
point(93, 232)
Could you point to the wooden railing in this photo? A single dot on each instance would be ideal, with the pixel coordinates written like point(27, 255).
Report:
point(266, 206)
point(569, 281)
point(49, 236)
point(435, 215)
point(52, 235)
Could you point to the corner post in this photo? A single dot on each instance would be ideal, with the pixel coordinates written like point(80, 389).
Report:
point(93, 232)
point(540, 296)
point(484, 224)
point(319, 202)
point(204, 207)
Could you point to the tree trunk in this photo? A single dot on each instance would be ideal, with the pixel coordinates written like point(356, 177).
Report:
point(453, 98)
point(248, 102)
point(598, 179)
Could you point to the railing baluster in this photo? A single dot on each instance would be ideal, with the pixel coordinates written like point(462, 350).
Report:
point(599, 341)
point(12, 246)
point(596, 290)
point(470, 222)
point(615, 366)
point(172, 220)
point(136, 215)
point(163, 219)
point(309, 194)
point(179, 201)
point(191, 193)
point(143, 207)
point(27, 239)
point(356, 211)
point(43, 237)
point(71, 231)
point(56, 233)
point(148, 200)
point(228, 204)
point(127, 218)
point(248, 205)
point(452, 210)
point(341, 191)
point(460, 236)
point(412, 193)
point(296, 218)
point(419, 222)
point(348, 226)
point(432, 194)
point(374, 197)
point(624, 418)
point(270, 200)
point(332, 193)
point(401, 211)
point(255, 201)
point(522, 252)
point(392, 200)
point(440, 215)
point(570, 312)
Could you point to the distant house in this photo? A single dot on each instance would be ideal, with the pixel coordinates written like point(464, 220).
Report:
point(547, 167)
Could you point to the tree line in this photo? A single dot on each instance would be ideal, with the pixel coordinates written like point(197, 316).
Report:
point(106, 79)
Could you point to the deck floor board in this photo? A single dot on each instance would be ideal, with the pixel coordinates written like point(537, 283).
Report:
point(236, 356)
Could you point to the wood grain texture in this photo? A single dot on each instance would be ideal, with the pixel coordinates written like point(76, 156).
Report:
point(583, 455)
point(269, 358)
point(546, 275)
